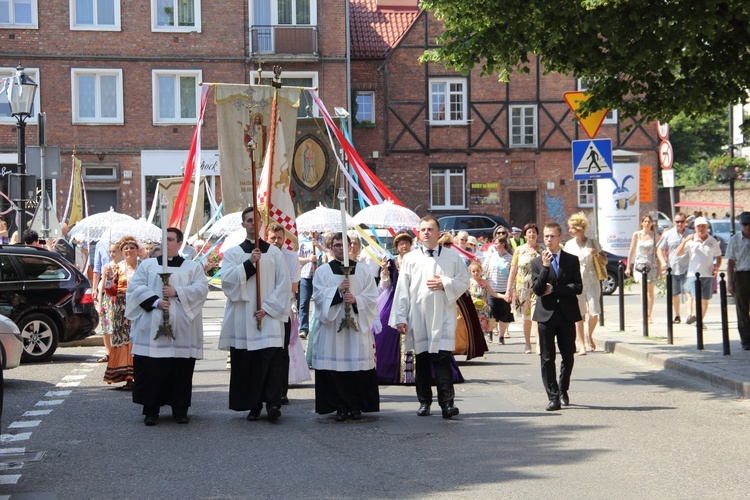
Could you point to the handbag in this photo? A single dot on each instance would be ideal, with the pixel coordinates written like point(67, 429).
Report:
point(643, 267)
point(478, 303)
point(601, 269)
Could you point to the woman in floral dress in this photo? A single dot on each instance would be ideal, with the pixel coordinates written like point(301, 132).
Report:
point(105, 301)
point(520, 295)
point(120, 364)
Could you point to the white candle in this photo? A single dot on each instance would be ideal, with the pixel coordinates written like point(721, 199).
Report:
point(163, 216)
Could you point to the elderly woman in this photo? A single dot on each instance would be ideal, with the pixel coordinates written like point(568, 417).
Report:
point(120, 364)
point(586, 249)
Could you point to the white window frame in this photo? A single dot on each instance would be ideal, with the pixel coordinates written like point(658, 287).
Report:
point(177, 73)
point(290, 74)
point(464, 101)
point(74, 73)
point(34, 74)
point(448, 173)
point(586, 199)
point(611, 118)
point(534, 114)
point(34, 17)
point(95, 27)
point(372, 105)
point(275, 13)
point(175, 29)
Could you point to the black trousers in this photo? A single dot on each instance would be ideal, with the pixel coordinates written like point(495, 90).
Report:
point(441, 363)
point(255, 377)
point(565, 331)
point(284, 361)
point(742, 304)
point(163, 381)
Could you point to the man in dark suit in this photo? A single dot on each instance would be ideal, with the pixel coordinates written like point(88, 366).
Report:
point(556, 282)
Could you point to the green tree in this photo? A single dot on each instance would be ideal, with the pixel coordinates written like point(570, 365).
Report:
point(696, 141)
point(649, 59)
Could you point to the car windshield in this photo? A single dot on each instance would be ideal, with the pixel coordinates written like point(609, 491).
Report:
point(723, 226)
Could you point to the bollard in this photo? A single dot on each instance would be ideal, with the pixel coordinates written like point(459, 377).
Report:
point(644, 302)
point(698, 311)
point(620, 283)
point(670, 326)
point(724, 317)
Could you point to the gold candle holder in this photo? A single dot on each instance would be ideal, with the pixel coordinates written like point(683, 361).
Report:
point(165, 328)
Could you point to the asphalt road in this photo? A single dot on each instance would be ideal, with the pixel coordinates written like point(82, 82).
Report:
point(631, 432)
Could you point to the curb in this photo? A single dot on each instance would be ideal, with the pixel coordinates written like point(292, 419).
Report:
point(714, 376)
point(94, 341)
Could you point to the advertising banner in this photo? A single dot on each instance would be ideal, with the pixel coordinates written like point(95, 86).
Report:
point(619, 208)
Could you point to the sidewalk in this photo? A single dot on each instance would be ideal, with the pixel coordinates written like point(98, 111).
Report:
point(730, 373)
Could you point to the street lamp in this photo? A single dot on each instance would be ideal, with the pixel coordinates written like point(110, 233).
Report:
point(21, 92)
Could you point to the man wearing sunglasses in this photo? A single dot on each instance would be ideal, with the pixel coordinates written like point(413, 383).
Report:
point(666, 251)
point(738, 271)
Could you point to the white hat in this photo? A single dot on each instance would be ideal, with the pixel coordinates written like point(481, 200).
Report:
point(701, 221)
point(472, 241)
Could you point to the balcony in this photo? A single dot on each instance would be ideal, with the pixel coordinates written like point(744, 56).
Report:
point(284, 42)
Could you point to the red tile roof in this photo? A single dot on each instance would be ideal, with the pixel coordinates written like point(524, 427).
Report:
point(376, 31)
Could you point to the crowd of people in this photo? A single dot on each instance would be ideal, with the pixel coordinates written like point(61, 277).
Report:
point(371, 318)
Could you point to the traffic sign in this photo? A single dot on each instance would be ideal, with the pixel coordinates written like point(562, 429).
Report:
point(667, 178)
point(593, 121)
point(666, 155)
point(592, 159)
point(662, 130)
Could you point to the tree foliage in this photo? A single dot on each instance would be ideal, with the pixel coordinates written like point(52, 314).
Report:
point(649, 59)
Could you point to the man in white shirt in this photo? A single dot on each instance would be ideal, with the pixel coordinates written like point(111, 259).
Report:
point(738, 274)
point(702, 249)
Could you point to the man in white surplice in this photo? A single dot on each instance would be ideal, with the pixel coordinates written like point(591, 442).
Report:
point(256, 354)
point(163, 368)
point(430, 282)
point(344, 361)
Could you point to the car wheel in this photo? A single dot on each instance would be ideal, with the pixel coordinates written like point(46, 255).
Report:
point(40, 337)
point(609, 285)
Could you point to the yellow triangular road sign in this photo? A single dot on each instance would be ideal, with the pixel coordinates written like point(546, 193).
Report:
point(593, 121)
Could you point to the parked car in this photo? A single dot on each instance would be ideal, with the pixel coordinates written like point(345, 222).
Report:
point(11, 343)
point(662, 222)
point(47, 297)
point(476, 225)
point(609, 286)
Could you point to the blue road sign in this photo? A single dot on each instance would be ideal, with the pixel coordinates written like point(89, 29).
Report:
point(592, 159)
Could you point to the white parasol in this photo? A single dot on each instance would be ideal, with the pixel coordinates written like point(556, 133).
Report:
point(226, 225)
point(142, 230)
point(234, 239)
point(321, 220)
point(389, 215)
point(92, 227)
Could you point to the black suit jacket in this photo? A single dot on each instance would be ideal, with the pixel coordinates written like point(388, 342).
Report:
point(565, 286)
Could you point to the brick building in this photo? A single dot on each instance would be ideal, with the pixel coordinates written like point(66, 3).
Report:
point(119, 82)
point(444, 142)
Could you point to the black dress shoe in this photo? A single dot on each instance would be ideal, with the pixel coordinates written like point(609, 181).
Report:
point(151, 420)
point(424, 410)
point(284, 400)
point(254, 415)
point(449, 411)
point(564, 399)
point(746, 347)
point(340, 416)
point(182, 419)
point(356, 414)
point(274, 412)
point(553, 405)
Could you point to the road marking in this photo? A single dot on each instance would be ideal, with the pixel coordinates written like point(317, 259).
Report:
point(67, 384)
point(74, 377)
point(12, 438)
point(10, 479)
point(57, 394)
point(11, 450)
point(24, 424)
point(52, 402)
point(35, 413)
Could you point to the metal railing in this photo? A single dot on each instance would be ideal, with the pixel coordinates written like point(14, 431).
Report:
point(283, 39)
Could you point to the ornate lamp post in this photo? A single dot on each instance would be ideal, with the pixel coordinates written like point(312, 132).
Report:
point(21, 92)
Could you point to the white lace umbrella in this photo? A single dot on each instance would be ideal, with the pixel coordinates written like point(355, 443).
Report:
point(389, 215)
point(92, 227)
point(226, 225)
point(322, 219)
point(142, 230)
point(234, 239)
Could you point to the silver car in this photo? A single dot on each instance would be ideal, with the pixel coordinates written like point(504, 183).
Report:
point(11, 343)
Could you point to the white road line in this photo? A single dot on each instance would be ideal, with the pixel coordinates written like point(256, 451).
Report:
point(74, 377)
point(11, 450)
point(67, 384)
point(11, 438)
point(57, 394)
point(10, 479)
point(36, 413)
point(52, 402)
point(24, 424)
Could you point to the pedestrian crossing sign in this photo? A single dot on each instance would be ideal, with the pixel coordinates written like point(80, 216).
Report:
point(592, 159)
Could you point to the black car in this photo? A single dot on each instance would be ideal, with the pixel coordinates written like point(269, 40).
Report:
point(47, 297)
point(613, 262)
point(476, 225)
